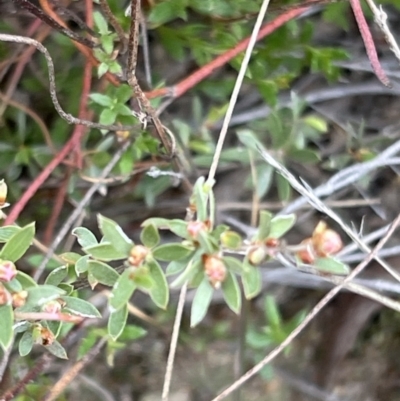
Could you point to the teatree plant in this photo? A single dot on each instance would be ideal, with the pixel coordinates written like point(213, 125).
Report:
point(200, 258)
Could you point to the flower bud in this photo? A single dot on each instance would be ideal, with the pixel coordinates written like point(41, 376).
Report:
point(215, 270)
point(307, 254)
point(53, 307)
point(257, 255)
point(3, 194)
point(137, 255)
point(5, 296)
point(7, 271)
point(46, 336)
point(326, 242)
point(19, 298)
point(195, 227)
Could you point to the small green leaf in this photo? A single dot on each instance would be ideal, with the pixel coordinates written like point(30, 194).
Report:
point(117, 322)
point(284, 188)
point(264, 227)
point(281, 224)
point(201, 302)
point(85, 237)
point(81, 265)
point(234, 264)
point(18, 244)
point(114, 234)
point(102, 272)
point(231, 239)
point(207, 242)
point(25, 343)
point(6, 326)
point(38, 296)
point(122, 291)
point(80, 307)
point(105, 251)
point(200, 197)
point(251, 280)
point(193, 267)
point(57, 275)
point(132, 332)
point(100, 22)
point(57, 350)
point(170, 252)
point(102, 100)
point(7, 232)
point(150, 236)
point(272, 312)
point(26, 280)
point(159, 291)
point(175, 267)
point(231, 291)
point(333, 266)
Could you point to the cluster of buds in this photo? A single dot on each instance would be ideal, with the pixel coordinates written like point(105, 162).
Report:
point(215, 269)
point(54, 307)
point(323, 243)
point(7, 271)
point(138, 255)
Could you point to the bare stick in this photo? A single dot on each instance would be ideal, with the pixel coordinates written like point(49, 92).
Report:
point(174, 343)
point(70, 119)
point(236, 90)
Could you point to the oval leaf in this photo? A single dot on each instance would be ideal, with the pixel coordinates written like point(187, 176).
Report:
point(231, 291)
point(102, 273)
point(18, 244)
point(281, 224)
point(57, 275)
point(85, 237)
point(38, 296)
point(201, 302)
point(26, 343)
point(26, 280)
point(6, 326)
point(170, 252)
point(150, 236)
point(159, 291)
point(251, 280)
point(122, 291)
point(114, 234)
point(57, 350)
point(105, 251)
point(333, 266)
point(80, 307)
point(117, 322)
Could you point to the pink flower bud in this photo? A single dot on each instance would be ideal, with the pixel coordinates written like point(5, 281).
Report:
point(5, 296)
point(195, 227)
point(7, 271)
point(52, 307)
point(307, 254)
point(326, 242)
point(215, 270)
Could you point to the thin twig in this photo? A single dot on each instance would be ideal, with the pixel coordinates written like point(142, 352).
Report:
point(73, 371)
point(115, 24)
point(319, 205)
point(314, 312)
point(70, 119)
point(174, 343)
point(236, 90)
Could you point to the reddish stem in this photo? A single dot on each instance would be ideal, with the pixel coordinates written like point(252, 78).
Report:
point(368, 42)
point(198, 76)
